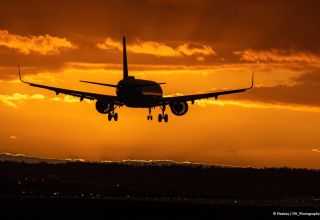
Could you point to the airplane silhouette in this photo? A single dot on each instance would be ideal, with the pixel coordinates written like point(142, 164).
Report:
point(136, 93)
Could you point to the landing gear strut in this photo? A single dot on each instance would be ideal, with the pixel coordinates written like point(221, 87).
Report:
point(163, 115)
point(149, 115)
point(113, 115)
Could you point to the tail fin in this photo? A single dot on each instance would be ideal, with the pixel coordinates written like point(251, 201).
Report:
point(125, 62)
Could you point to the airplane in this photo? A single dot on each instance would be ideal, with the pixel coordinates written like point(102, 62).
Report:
point(136, 93)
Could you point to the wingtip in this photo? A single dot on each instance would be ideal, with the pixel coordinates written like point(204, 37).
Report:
point(20, 77)
point(252, 80)
point(19, 72)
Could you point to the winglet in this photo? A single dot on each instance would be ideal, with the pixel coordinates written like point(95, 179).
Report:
point(20, 75)
point(252, 81)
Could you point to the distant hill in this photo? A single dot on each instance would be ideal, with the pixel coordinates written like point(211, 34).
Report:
point(32, 159)
point(28, 159)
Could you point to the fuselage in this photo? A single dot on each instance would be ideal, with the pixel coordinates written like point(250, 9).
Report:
point(138, 93)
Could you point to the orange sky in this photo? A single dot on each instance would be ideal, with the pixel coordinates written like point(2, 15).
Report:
point(193, 46)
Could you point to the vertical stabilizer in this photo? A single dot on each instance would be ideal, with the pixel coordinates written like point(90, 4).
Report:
point(125, 62)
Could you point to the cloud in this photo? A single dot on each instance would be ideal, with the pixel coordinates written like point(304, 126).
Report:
point(37, 97)
point(257, 105)
point(196, 49)
point(251, 103)
point(160, 49)
point(302, 91)
point(279, 56)
point(153, 48)
point(17, 98)
point(12, 100)
point(315, 150)
point(109, 44)
point(41, 44)
point(309, 77)
point(141, 47)
point(68, 99)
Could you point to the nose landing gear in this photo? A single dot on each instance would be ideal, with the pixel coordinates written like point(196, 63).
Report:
point(149, 115)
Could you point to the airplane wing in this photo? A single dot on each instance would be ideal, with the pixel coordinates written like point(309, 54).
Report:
point(80, 94)
point(192, 98)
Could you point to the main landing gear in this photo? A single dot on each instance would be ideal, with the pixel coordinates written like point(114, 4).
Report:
point(113, 115)
point(163, 115)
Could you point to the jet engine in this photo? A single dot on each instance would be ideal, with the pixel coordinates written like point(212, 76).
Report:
point(104, 107)
point(179, 108)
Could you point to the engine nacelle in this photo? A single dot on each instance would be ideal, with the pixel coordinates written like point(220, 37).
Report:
point(179, 108)
point(104, 107)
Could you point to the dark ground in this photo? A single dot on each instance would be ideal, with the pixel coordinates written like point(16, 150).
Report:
point(154, 191)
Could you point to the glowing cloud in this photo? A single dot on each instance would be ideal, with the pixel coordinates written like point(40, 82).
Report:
point(17, 98)
point(153, 48)
point(160, 49)
point(281, 56)
point(316, 150)
point(189, 50)
point(42, 44)
point(13, 137)
point(258, 105)
point(11, 100)
point(109, 44)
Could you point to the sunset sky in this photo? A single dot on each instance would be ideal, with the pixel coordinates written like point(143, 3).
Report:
point(195, 47)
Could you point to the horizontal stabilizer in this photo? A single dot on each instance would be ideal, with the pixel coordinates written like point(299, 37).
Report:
point(144, 85)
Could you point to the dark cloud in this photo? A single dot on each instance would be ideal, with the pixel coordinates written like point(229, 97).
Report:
point(227, 26)
point(304, 91)
point(245, 24)
point(310, 78)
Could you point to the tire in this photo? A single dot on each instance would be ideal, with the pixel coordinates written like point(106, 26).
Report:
point(109, 117)
point(166, 118)
point(159, 118)
point(115, 117)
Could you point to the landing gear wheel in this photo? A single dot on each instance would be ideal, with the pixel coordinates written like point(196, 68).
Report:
point(165, 117)
point(109, 117)
point(149, 115)
point(113, 115)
